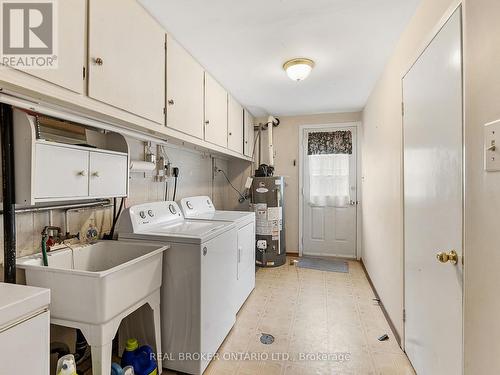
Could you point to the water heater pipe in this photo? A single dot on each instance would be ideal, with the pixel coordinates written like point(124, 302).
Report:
point(270, 124)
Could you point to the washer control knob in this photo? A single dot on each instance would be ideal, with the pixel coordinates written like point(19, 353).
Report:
point(172, 209)
point(151, 213)
point(142, 214)
point(189, 205)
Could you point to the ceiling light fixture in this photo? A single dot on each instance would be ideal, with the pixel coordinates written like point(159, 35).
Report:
point(298, 69)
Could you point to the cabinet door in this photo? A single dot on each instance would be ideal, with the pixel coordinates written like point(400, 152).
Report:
point(249, 133)
point(127, 58)
point(71, 46)
point(246, 262)
point(235, 126)
point(25, 347)
point(108, 175)
point(184, 90)
point(215, 112)
point(60, 172)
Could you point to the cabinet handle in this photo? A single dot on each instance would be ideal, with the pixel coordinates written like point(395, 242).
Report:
point(82, 173)
point(230, 133)
point(98, 61)
point(205, 250)
point(170, 102)
point(207, 122)
point(95, 174)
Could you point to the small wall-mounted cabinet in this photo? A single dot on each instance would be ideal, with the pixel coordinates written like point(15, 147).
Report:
point(235, 125)
point(126, 58)
point(249, 135)
point(48, 171)
point(215, 112)
point(184, 91)
point(79, 173)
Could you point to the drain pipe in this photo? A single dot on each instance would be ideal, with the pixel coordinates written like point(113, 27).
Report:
point(9, 212)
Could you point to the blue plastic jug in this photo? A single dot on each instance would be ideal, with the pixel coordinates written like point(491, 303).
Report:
point(140, 358)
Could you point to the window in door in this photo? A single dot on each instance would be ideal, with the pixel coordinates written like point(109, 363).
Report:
point(328, 155)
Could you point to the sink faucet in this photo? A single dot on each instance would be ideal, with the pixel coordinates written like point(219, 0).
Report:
point(50, 239)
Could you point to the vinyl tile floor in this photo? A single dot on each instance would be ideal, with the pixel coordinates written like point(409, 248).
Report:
point(322, 323)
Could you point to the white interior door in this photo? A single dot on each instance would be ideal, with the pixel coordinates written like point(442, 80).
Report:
point(433, 196)
point(329, 191)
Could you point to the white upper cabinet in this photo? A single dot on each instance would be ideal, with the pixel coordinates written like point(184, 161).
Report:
point(215, 112)
point(235, 126)
point(71, 21)
point(126, 58)
point(184, 91)
point(248, 133)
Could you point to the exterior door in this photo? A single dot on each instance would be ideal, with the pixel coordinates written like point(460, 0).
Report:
point(433, 198)
point(329, 191)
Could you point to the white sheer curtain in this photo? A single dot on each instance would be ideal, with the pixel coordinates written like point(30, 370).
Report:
point(329, 180)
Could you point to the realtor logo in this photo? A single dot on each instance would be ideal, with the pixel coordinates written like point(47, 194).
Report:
point(28, 34)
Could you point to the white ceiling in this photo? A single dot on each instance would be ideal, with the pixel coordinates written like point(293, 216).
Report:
point(243, 44)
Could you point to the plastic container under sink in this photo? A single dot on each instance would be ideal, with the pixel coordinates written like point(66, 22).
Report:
point(93, 283)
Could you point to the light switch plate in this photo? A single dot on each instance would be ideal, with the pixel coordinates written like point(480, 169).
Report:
point(492, 146)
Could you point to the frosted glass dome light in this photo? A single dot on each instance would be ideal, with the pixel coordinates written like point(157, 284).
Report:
point(298, 69)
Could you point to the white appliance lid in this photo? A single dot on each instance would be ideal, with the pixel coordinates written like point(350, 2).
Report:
point(224, 216)
point(20, 301)
point(186, 228)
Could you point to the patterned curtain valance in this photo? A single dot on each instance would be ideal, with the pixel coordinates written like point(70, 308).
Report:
point(337, 142)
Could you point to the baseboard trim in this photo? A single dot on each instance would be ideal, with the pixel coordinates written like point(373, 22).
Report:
point(384, 311)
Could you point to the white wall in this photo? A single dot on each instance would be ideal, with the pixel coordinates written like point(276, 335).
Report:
point(382, 209)
point(482, 224)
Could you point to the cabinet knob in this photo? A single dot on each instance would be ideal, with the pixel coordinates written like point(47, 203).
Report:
point(95, 174)
point(205, 251)
point(82, 173)
point(170, 102)
point(98, 61)
point(230, 133)
point(207, 122)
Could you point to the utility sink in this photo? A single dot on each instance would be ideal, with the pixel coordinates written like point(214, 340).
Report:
point(96, 282)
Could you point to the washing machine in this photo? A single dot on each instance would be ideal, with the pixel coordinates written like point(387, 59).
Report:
point(197, 293)
point(202, 208)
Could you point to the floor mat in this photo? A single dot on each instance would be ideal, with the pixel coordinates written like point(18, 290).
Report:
point(322, 264)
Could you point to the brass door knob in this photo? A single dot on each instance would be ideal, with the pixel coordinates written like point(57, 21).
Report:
point(451, 257)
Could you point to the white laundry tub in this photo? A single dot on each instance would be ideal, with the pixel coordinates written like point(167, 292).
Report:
point(96, 282)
